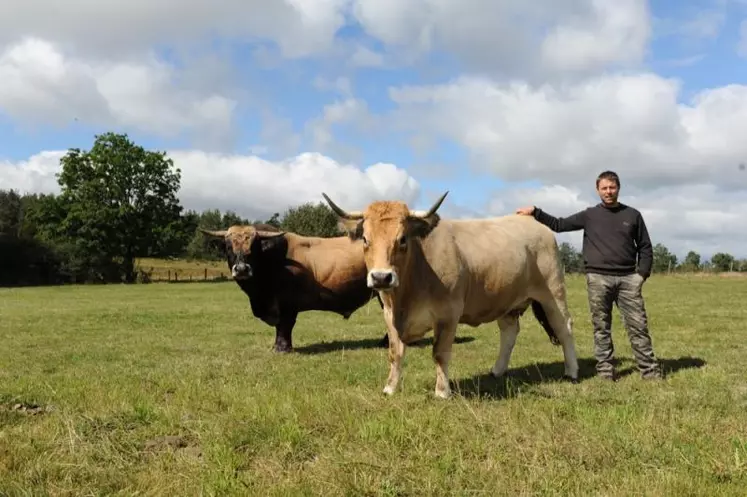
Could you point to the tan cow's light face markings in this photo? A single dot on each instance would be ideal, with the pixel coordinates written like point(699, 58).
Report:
point(385, 244)
point(387, 229)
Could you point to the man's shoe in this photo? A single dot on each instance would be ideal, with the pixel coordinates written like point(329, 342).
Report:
point(655, 376)
point(608, 376)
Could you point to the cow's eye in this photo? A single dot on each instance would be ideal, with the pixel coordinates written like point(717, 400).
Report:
point(402, 241)
point(365, 241)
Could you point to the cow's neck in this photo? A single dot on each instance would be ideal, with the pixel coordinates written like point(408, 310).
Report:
point(400, 299)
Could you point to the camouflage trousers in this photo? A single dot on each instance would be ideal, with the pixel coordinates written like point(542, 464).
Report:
point(625, 291)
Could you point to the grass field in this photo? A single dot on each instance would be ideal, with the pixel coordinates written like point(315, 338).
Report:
point(171, 389)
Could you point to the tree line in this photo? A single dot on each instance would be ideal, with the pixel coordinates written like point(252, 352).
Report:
point(664, 261)
point(118, 202)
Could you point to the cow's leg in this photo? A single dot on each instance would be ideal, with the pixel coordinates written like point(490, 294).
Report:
point(284, 332)
point(509, 327)
point(561, 323)
point(396, 352)
point(443, 340)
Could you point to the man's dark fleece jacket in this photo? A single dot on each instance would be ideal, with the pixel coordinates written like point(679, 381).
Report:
point(613, 236)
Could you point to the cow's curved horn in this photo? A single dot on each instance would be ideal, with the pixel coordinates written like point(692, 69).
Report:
point(217, 234)
point(432, 210)
point(340, 212)
point(269, 234)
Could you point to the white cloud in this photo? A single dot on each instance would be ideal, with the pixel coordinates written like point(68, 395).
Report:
point(35, 175)
point(513, 38)
point(43, 85)
point(567, 134)
point(65, 67)
point(257, 187)
point(611, 32)
point(491, 34)
point(299, 27)
point(248, 185)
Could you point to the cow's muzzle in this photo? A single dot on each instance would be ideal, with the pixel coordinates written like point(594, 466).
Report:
point(241, 271)
point(382, 279)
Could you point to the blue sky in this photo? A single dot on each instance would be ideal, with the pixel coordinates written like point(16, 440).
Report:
point(502, 104)
point(702, 54)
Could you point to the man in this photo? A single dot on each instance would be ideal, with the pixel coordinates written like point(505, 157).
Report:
point(614, 234)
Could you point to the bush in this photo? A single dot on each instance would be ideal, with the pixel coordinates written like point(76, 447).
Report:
point(26, 261)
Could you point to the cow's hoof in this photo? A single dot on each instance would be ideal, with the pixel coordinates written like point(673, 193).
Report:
point(442, 394)
point(497, 374)
point(283, 349)
point(571, 379)
point(388, 390)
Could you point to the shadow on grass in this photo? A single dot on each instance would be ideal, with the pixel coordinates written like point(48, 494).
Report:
point(367, 343)
point(669, 366)
point(517, 379)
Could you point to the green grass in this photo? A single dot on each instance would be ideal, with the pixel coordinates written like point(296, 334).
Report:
point(173, 390)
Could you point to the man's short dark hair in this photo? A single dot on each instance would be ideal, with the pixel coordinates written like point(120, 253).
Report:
point(609, 175)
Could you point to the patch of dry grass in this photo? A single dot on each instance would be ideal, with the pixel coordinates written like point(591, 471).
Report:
point(182, 269)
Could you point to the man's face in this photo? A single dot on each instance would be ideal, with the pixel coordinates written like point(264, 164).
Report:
point(607, 190)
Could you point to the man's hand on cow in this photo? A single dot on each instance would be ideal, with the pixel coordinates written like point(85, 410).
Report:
point(525, 211)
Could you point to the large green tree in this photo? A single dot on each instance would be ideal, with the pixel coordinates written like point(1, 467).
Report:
point(311, 220)
point(120, 203)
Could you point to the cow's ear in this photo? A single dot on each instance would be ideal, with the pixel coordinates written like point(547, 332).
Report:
point(269, 243)
point(421, 223)
point(353, 227)
point(422, 226)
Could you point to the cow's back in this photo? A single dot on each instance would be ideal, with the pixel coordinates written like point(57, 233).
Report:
point(326, 273)
point(489, 264)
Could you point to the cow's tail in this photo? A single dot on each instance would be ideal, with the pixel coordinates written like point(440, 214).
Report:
point(541, 316)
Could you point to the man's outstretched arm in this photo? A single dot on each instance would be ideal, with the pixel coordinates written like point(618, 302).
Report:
point(573, 222)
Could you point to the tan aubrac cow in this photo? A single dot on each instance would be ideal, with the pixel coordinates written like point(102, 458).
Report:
point(433, 274)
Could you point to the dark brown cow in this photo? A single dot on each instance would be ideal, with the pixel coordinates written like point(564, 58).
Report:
point(284, 273)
